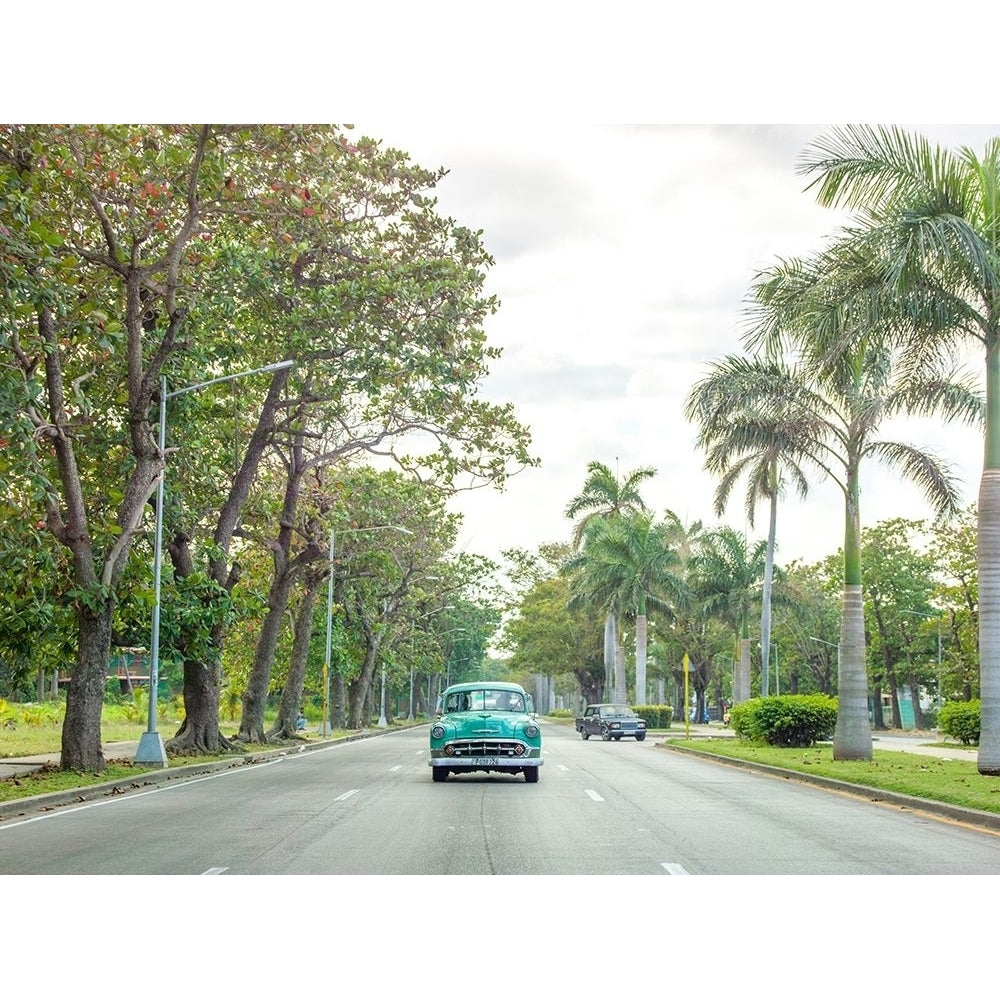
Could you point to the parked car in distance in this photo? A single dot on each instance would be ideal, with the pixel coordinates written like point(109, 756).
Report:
point(610, 722)
point(486, 726)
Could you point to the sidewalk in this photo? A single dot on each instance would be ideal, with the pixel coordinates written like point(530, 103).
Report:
point(906, 741)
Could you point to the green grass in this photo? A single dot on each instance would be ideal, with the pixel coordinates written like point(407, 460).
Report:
point(956, 782)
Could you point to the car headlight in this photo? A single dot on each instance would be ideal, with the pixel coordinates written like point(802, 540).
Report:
point(531, 730)
point(437, 731)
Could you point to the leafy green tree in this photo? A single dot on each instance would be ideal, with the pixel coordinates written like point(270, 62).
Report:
point(932, 216)
point(953, 549)
point(898, 585)
point(139, 253)
point(102, 272)
point(810, 610)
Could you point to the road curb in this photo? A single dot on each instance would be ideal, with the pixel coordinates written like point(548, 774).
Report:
point(974, 817)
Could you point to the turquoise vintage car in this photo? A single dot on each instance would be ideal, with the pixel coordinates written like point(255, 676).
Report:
point(486, 726)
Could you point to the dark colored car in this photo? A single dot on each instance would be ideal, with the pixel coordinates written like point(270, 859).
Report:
point(610, 722)
point(486, 726)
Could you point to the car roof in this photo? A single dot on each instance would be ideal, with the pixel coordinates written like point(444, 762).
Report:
point(492, 685)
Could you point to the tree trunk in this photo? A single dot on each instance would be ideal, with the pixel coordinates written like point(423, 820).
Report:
point(291, 695)
point(200, 730)
point(918, 712)
point(258, 683)
point(621, 694)
point(878, 719)
point(199, 733)
point(988, 757)
point(852, 739)
point(610, 645)
point(362, 687)
point(202, 686)
point(765, 607)
point(338, 697)
point(743, 673)
point(81, 731)
point(640, 659)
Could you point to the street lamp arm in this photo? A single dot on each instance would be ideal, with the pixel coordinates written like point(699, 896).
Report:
point(277, 366)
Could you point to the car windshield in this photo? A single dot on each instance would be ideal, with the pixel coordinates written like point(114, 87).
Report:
point(484, 700)
point(619, 712)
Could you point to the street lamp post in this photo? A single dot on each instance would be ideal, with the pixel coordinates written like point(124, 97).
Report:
point(382, 721)
point(150, 749)
point(325, 731)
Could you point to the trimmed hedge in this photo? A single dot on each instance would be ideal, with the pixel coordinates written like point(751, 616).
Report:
point(656, 716)
point(961, 720)
point(787, 720)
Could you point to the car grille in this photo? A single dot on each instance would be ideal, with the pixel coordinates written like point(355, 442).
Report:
point(486, 748)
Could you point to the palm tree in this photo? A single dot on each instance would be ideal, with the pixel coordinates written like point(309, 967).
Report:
point(726, 574)
point(629, 566)
point(741, 442)
point(831, 407)
point(604, 495)
point(934, 216)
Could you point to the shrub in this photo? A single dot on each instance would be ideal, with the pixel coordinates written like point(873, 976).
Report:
point(561, 713)
point(961, 720)
point(656, 716)
point(788, 720)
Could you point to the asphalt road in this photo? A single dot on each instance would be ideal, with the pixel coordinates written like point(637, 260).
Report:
point(369, 807)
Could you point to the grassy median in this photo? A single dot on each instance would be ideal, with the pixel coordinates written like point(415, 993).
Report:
point(956, 782)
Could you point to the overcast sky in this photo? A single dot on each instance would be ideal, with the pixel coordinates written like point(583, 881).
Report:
point(624, 255)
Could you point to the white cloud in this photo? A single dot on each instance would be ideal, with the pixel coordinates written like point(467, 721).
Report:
point(623, 258)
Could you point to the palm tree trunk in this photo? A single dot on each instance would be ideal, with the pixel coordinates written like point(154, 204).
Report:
point(640, 659)
point(744, 670)
point(765, 608)
point(988, 759)
point(610, 644)
point(621, 694)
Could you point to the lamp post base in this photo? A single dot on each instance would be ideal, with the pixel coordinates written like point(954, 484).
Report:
point(151, 750)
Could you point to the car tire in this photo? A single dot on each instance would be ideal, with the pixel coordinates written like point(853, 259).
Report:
point(584, 735)
point(531, 774)
point(440, 773)
point(605, 735)
point(639, 737)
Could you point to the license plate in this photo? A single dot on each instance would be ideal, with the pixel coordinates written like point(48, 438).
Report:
point(487, 761)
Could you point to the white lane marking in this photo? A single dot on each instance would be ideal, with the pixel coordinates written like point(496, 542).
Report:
point(674, 869)
point(215, 871)
point(563, 767)
point(593, 795)
point(346, 795)
point(395, 767)
point(420, 753)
